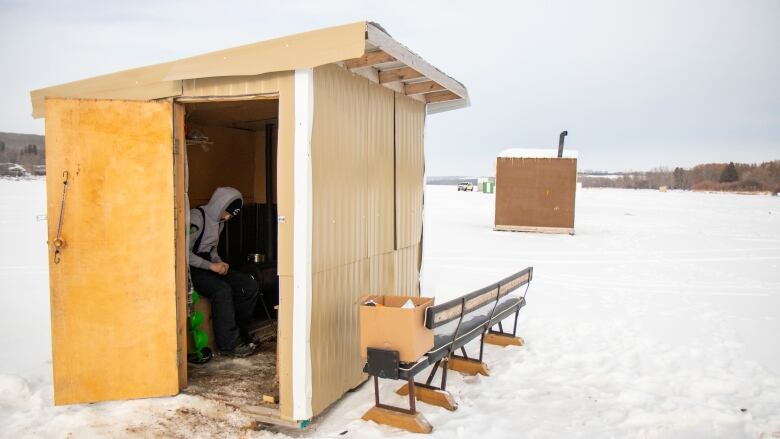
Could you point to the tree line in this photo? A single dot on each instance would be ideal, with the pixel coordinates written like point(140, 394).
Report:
point(27, 156)
point(736, 177)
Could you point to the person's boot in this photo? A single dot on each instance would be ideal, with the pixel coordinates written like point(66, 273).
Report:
point(248, 337)
point(242, 350)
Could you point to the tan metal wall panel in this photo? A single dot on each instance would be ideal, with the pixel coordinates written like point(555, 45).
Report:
point(339, 168)
point(380, 170)
point(268, 83)
point(335, 332)
point(410, 170)
point(353, 215)
point(284, 346)
point(536, 192)
point(284, 179)
point(381, 276)
point(119, 205)
point(407, 271)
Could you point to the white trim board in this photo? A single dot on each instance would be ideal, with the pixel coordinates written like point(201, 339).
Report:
point(302, 279)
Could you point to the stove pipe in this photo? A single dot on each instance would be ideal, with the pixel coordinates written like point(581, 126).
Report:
point(560, 143)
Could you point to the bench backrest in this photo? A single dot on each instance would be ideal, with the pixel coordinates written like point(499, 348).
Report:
point(446, 312)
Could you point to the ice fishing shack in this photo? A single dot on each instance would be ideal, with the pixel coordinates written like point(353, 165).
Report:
point(322, 132)
point(536, 189)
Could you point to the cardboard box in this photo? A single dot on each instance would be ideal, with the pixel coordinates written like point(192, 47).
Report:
point(388, 326)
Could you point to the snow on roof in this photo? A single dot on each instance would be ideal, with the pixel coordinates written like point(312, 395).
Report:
point(536, 153)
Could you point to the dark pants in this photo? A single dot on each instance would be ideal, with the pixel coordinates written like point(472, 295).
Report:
point(233, 298)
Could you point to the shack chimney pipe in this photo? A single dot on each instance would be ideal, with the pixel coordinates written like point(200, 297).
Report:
point(560, 143)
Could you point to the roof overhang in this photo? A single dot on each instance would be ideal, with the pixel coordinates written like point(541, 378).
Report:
point(363, 48)
point(393, 65)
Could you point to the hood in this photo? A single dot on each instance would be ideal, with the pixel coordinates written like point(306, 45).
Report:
point(219, 201)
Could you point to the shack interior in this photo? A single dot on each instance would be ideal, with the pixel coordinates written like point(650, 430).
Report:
point(233, 143)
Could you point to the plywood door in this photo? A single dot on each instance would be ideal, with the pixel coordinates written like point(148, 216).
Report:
point(113, 291)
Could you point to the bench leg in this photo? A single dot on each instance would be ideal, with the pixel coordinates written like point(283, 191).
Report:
point(414, 423)
point(498, 339)
point(428, 395)
point(501, 338)
point(410, 420)
point(468, 366)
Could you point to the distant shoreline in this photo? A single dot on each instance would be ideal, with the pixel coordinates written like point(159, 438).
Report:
point(700, 191)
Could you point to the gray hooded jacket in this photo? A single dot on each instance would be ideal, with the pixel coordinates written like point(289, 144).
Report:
point(211, 225)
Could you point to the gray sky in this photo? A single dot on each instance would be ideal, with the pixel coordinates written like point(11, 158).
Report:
point(638, 84)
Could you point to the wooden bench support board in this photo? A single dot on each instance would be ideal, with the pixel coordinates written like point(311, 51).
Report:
point(439, 398)
point(265, 415)
point(415, 423)
point(569, 230)
point(503, 339)
point(468, 366)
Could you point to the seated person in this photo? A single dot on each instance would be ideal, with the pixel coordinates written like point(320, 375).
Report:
point(232, 294)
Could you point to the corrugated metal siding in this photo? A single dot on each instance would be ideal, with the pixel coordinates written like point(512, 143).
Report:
point(335, 332)
point(268, 83)
point(407, 271)
point(381, 275)
point(380, 172)
point(355, 175)
point(339, 162)
point(339, 230)
point(410, 169)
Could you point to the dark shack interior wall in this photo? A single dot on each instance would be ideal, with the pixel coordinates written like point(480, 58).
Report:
point(238, 134)
point(236, 157)
point(535, 192)
point(228, 161)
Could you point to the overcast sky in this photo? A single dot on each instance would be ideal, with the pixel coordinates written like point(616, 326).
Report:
point(638, 84)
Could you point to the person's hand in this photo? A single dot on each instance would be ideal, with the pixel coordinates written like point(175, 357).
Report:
point(219, 267)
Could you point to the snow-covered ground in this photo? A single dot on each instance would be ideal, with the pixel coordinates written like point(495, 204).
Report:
point(660, 318)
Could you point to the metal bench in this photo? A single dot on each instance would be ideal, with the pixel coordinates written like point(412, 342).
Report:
point(455, 323)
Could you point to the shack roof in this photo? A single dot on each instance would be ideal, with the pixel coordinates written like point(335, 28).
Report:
point(536, 153)
point(364, 48)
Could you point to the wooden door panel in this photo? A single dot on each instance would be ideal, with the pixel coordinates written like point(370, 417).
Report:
point(113, 291)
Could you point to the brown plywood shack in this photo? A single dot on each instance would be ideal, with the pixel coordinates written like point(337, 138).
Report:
point(349, 104)
point(535, 191)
